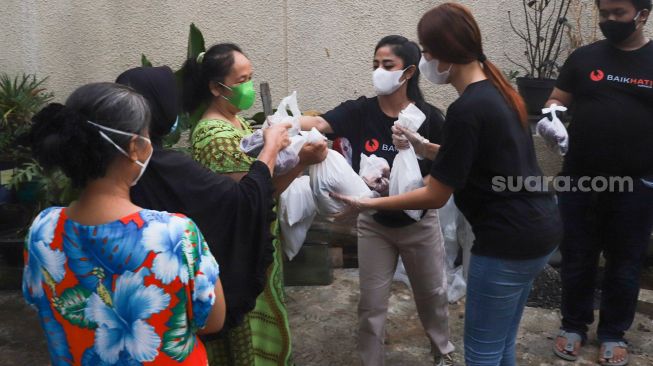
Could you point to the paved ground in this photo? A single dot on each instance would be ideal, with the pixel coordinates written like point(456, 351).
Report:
point(323, 321)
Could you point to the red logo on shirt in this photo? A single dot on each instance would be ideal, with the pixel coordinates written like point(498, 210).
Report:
point(597, 75)
point(372, 145)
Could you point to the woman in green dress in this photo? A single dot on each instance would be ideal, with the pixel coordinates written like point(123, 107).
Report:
point(220, 80)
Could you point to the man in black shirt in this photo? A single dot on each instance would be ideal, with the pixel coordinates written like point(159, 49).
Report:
point(609, 87)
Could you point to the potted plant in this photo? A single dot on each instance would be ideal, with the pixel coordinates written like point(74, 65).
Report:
point(544, 22)
point(20, 97)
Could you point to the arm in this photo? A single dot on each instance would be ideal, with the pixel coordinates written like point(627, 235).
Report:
point(430, 151)
point(423, 147)
point(310, 154)
point(215, 320)
point(560, 97)
point(318, 122)
point(434, 195)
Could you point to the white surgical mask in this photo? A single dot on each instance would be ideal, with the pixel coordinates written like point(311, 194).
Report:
point(430, 71)
point(143, 165)
point(387, 82)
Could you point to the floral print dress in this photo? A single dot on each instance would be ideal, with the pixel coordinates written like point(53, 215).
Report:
point(130, 292)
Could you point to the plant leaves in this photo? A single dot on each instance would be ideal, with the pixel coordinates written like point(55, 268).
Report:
point(179, 341)
point(195, 42)
point(144, 61)
point(71, 305)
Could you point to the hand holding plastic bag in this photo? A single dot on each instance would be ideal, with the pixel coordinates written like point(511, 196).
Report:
point(375, 172)
point(334, 175)
point(287, 158)
point(406, 175)
point(552, 130)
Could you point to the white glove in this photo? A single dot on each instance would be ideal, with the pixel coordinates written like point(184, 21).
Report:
point(418, 141)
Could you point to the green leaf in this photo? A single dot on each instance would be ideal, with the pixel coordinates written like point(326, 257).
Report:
point(195, 42)
point(179, 341)
point(71, 305)
point(144, 61)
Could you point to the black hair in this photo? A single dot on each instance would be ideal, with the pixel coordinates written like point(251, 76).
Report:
point(639, 4)
point(213, 66)
point(62, 137)
point(409, 52)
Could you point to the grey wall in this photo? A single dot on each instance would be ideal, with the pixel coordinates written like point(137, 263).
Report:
point(322, 49)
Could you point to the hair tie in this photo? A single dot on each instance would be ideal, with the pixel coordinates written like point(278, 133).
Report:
point(482, 58)
point(200, 57)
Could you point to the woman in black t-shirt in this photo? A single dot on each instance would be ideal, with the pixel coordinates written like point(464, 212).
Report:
point(487, 151)
point(382, 237)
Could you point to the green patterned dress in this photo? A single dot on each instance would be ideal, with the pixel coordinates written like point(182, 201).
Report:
point(264, 337)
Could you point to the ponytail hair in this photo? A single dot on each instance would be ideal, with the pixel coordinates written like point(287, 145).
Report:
point(450, 33)
point(61, 136)
point(198, 72)
point(409, 52)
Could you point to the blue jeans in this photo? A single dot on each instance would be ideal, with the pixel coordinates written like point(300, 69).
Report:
point(617, 224)
point(497, 290)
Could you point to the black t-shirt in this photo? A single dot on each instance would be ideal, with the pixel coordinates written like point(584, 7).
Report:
point(368, 129)
point(484, 140)
point(611, 132)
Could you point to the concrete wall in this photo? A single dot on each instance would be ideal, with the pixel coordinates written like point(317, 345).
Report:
point(322, 49)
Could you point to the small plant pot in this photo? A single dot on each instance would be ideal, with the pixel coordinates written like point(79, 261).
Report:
point(535, 93)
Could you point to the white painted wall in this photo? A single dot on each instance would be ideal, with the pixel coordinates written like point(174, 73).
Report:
point(322, 49)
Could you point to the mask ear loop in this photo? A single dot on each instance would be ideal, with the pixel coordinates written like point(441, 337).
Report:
point(230, 89)
point(104, 136)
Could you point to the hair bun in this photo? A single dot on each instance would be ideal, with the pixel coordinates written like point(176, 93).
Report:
point(60, 137)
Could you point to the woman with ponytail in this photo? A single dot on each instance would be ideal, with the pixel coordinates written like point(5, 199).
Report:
point(114, 284)
point(219, 81)
point(486, 161)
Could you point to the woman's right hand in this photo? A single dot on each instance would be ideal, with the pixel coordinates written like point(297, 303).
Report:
point(277, 136)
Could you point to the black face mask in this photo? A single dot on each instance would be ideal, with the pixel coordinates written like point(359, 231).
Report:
point(617, 32)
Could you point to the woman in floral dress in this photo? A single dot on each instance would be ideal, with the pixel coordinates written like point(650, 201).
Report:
point(114, 284)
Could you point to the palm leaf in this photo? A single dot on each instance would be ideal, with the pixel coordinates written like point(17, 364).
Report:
point(71, 305)
point(179, 341)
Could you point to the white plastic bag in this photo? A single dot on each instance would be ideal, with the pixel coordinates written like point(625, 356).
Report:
point(448, 216)
point(456, 285)
point(375, 172)
point(282, 116)
point(406, 175)
point(296, 213)
point(411, 118)
point(334, 175)
point(288, 158)
point(252, 144)
point(552, 130)
point(400, 274)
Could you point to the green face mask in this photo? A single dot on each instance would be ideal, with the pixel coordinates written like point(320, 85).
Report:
point(242, 95)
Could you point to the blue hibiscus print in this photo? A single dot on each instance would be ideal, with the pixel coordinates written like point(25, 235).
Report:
point(122, 326)
point(169, 241)
point(204, 291)
point(40, 257)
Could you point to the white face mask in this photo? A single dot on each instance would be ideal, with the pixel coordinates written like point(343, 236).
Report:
point(430, 71)
point(143, 165)
point(387, 82)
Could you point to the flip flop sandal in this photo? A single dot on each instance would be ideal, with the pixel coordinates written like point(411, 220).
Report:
point(608, 353)
point(572, 338)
